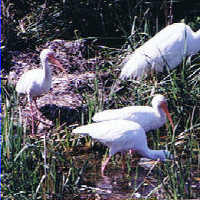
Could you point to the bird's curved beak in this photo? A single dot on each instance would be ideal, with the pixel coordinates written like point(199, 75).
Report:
point(165, 109)
point(53, 60)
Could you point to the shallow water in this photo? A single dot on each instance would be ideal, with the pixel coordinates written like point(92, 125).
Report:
point(118, 185)
point(135, 181)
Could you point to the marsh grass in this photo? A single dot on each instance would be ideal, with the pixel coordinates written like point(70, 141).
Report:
point(178, 179)
point(48, 167)
point(33, 168)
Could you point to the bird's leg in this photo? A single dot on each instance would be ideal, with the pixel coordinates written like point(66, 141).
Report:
point(123, 160)
point(37, 117)
point(131, 151)
point(104, 163)
point(35, 102)
point(33, 127)
point(37, 109)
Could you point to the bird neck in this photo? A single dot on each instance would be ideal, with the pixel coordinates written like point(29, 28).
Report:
point(46, 68)
point(159, 111)
point(154, 154)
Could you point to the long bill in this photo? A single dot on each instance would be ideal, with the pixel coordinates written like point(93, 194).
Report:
point(53, 60)
point(165, 109)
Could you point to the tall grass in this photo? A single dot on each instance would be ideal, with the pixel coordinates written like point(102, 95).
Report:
point(179, 178)
point(34, 168)
point(48, 167)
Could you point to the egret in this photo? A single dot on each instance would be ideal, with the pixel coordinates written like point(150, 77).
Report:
point(34, 83)
point(120, 136)
point(166, 49)
point(149, 118)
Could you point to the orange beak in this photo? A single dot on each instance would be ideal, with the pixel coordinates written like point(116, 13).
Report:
point(165, 109)
point(53, 60)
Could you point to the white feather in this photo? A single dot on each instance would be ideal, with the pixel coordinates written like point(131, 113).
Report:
point(166, 49)
point(36, 82)
point(120, 136)
point(148, 117)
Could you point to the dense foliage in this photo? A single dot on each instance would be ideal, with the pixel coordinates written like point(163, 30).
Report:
point(27, 23)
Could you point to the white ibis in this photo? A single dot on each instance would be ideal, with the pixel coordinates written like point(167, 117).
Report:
point(149, 118)
point(120, 136)
point(37, 82)
point(166, 49)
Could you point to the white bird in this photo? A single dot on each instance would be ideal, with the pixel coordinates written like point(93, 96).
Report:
point(37, 82)
point(149, 118)
point(166, 49)
point(120, 136)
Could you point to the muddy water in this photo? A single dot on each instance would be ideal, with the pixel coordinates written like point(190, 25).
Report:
point(134, 182)
point(118, 185)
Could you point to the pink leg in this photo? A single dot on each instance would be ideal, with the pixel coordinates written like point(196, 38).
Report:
point(123, 160)
point(35, 102)
point(38, 117)
point(32, 118)
point(37, 109)
point(104, 165)
point(131, 151)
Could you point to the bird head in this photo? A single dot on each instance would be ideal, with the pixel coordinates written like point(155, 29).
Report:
point(159, 101)
point(50, 55)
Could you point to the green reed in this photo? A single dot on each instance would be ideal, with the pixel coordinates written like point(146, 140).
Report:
point(47, 167)
point(33, 168)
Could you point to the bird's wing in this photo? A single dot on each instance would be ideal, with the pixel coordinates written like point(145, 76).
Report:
point(33, 83)
point(127, 113)
point(165, 48)
point(107, 115)
point(107, 131)
point(136, 66)
point(118, 135)
point(28, 79)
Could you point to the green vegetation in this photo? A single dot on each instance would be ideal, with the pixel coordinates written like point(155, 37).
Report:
point(60, 165)
point(50, 168)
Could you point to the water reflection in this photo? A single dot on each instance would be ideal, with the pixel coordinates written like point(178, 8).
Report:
point(119, 184)
point(137, 180)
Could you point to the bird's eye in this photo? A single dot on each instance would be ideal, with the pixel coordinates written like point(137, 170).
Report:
point(51, 55)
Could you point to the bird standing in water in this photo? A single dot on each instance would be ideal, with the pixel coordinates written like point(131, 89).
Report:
point(37, 82)
point(120, 136)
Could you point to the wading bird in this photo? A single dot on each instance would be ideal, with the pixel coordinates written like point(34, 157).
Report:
point(166, 49)
point(149, 118)
point(34, 83)
point(120, 136)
